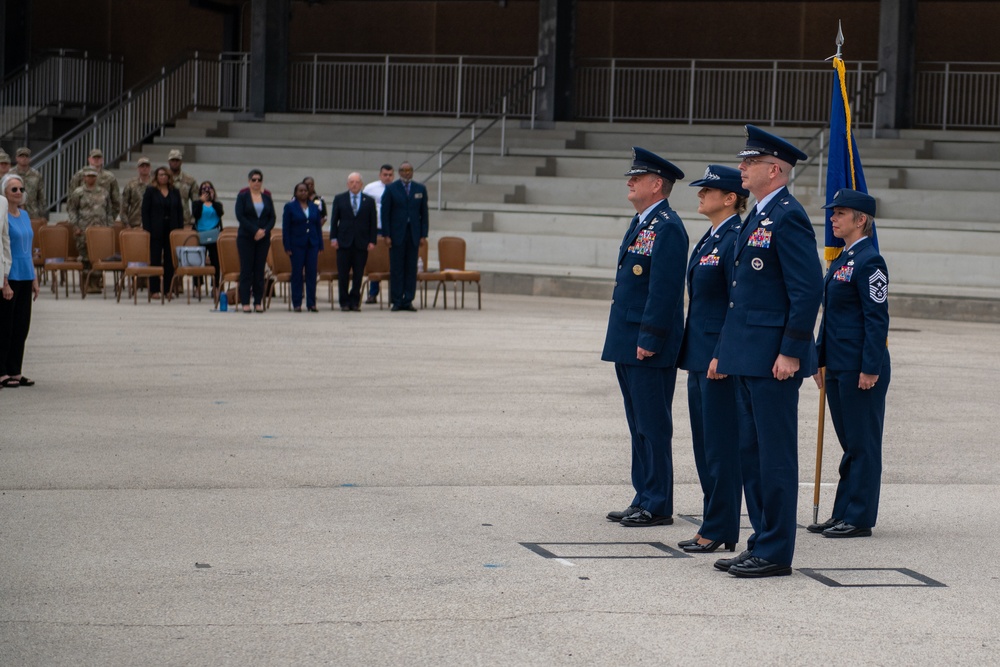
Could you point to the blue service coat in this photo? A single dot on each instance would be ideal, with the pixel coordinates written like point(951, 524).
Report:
point(404, 217)
point(647, 308)
point(301, 229)
point(709, 274)
point(855, 326)
point(776, 289)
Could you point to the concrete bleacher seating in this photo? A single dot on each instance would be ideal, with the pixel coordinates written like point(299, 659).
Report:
point(547, 217)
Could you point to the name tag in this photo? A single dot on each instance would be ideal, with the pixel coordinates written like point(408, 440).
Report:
point(419, 195)
point(761, 238)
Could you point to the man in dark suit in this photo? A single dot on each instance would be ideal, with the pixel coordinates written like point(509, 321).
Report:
point(352, 235)
point(767, 344)
point(404, 223)
point(645, 329)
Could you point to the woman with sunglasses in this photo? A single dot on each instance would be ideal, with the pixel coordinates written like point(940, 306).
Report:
point(20, 286)
point(207, 214)
point(255, 212)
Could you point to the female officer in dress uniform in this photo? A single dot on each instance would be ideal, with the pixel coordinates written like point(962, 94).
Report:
point(712, 397)
point(852, 346)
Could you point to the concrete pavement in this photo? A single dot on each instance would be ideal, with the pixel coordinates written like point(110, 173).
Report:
point(185, 487)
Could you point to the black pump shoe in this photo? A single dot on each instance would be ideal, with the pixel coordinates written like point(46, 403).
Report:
point(708, 548)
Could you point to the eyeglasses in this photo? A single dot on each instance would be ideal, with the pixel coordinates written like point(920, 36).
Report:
point(750, 161)
point(256, 180)
point(17, 189)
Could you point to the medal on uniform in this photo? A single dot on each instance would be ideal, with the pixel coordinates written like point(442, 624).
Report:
point(637, 270)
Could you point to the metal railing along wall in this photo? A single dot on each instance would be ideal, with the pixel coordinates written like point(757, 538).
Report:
point(65, 77)
point(412, 85)
point(958, 94)
point(218, 83)
point(767, 92)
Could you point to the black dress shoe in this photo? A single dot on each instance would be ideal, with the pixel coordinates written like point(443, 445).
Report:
point(820, 527)
point(355, 309)
point(847, 530)
point(371, 300)
point(708, 547)
point(395, 309)
point(345, 308)
point(642, 518)
point(618, 516)
point(409, 307)
point(687, 543)
point(724, 564)
point(756, 568)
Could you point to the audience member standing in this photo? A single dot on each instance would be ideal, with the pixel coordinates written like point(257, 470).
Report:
point(89, 204)
point(132, 194)
point(186, 186)
point(255, 212)
point(35, 201)
point(207, 215)
point(4, 163)
point(404, 224)
point(375, 189)
point(105, 179)
point(302, 236)
point(353, 231)
point(161, 213)
point(20, 286)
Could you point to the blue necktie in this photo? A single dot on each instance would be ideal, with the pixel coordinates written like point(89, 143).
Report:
point(354, 203)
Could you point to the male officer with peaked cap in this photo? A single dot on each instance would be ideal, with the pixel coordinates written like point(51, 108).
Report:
point(644, 334)
point(767, 344)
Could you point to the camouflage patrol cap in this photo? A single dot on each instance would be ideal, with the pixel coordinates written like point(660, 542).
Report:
point(175, 155)
point(90, 171)
point(143, 160)
point(23, 150)
point(4, 157)
point(96, 152)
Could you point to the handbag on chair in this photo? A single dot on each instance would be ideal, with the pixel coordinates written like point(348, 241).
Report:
point(191, 255)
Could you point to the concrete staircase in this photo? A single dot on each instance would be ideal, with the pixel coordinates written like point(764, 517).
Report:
point(547, 217)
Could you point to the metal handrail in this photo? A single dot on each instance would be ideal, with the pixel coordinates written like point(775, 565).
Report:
point(503, 101)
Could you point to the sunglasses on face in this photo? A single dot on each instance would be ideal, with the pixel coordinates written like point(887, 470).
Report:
point(256, 180)
point(17, 189)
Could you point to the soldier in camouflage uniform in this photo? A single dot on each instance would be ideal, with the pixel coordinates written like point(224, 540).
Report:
point(185, 185)
point(89, 204)
point(35, 202)
point(132, 193)
point(4, 163)
point(105, 179)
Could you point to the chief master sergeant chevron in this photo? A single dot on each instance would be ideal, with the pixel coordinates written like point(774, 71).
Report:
point(644, 334)
point(767, 345)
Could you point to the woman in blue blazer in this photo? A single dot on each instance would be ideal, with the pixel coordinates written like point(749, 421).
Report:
point(851, 345)
point(711, 396)
point(302, 236)
point(255, 212)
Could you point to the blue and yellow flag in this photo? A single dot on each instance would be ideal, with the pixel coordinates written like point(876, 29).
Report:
point(844, 169)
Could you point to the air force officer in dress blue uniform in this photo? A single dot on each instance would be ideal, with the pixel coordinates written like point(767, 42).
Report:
point(404, 223)
point(644, 334)
point(767, 343)
point(852, 347)
point(712, 397)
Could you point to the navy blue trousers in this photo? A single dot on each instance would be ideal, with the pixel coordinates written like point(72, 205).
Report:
point(403, 273)
point(648, 394)
point(769, 458)
point(858, 418)
point(304, 259)
point(715, 435)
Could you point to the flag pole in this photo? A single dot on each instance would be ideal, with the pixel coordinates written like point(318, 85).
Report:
point(822, 371)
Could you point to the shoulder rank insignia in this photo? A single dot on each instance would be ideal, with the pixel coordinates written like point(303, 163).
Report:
point(878, 286)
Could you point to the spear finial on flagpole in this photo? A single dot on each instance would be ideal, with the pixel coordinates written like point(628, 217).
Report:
point(840, 42)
